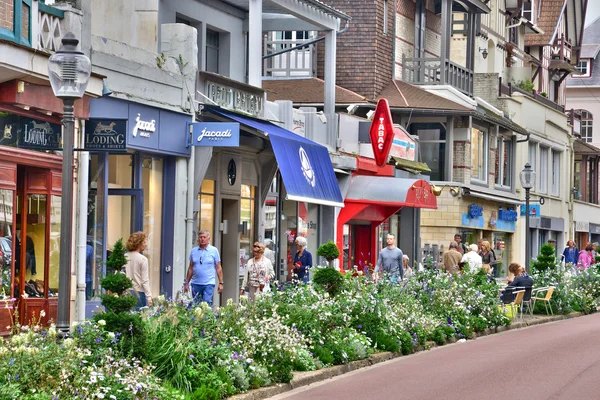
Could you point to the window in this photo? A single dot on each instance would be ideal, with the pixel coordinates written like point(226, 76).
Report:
point(385, 17)
point(479, 155)
point(420, 26)
point(206, 220)
point(513, 33)
point(432, 147)
point(543, 171)
point(528, 10)
point(533, 155)
point(587, 120)
point(504, 157)
point(212, 51)
point(583, 66)
point(577, 180)
point(555, 185)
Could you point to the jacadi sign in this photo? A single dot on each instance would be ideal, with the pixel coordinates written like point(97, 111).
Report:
point(215, 134)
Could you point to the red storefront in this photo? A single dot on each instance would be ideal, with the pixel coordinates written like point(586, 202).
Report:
point(372, 197)
point(30, 198)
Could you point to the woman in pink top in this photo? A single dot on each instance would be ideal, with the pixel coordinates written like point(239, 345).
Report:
point(585, 257)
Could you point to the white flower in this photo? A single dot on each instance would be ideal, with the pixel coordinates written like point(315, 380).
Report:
point(68, 342)
point(111, 335)
point(102, 322)
point(43, 313)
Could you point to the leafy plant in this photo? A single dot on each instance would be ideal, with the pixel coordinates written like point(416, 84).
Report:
point(331, 280)
point(544, 94)
point(546, 259)
point(161, 59)
point(526, 85)
point(329, 251)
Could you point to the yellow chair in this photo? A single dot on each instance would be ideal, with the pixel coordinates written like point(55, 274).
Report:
point(546, 299)
point(517, 303)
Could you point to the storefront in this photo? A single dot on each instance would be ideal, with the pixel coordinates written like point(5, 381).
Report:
point(132, 185)
point(275, 185)
point(30, 201)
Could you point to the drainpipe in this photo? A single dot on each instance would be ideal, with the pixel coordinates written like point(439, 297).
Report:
point(83, 179)
point(189, 213)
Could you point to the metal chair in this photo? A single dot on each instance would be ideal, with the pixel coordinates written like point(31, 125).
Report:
point(514, 299)
point(546, 299)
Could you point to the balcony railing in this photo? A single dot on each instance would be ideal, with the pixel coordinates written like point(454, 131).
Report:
point(34, 24)
point(561, 49)
point(301, 62)
point(428, 71)
point(509, 89)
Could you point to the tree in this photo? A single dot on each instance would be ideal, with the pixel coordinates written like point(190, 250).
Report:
point(546, 259)
point(329, 251)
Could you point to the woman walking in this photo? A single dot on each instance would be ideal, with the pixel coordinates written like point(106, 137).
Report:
point(302, 260)
point(137, 269)
point(259, 272)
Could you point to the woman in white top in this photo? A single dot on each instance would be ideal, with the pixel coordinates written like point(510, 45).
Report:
point(473, 259)
point(137, 269)
point(259, 272)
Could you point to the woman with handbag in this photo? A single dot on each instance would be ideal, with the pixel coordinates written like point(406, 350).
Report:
point(487, 255)
point(259, 272)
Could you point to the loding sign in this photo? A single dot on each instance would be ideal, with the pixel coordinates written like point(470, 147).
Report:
point(215, 134)
point(38, 135)
point(105, 135)
point(382, 132)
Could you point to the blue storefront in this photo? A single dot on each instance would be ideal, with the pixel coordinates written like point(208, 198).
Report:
point(132, 176)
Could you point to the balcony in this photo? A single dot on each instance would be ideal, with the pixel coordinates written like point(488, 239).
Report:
point(561, 49)
point(33, 24)
point(509, 89)
point(428, 71)
point(281, 62)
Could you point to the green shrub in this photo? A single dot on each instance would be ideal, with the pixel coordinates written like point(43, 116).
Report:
point(329, 251)
point(406, 343)
point(331, 280)
point(526, 85)
point(545, 260)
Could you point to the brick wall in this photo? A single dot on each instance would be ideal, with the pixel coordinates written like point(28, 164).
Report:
point(364, 52)
point(25, 21)
point(486, 87)
point(461, 166)
point(7, 9)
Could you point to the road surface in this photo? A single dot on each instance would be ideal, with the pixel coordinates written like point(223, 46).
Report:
point(559, 360)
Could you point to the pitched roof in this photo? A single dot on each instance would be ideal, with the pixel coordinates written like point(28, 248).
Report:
point(308, 91)
point(404, 95)
point(591, 33)
point(582, 147)
point(549, 16)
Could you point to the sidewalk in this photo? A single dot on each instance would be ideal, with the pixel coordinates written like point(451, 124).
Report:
point(307, 378)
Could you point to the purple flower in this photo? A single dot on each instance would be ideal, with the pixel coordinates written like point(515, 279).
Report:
point(359, 326)
point(98, 340)
point(11, 362)
point(191, 356)
point(79, 330)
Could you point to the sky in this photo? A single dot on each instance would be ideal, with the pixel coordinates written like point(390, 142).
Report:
point(593, 11)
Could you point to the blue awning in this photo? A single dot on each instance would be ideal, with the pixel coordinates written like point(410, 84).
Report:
point(305, 166)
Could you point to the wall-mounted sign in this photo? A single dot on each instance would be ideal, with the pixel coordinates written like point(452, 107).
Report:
point(582, 226)
point(298, 122)
point(534, 210)
point(39, 135)
point(507, 215)
point(382, 132)
point(215, 134)
point(475, 211)
point(143, 128)
point(105, 135)
point(235, 98)
point(403, 146)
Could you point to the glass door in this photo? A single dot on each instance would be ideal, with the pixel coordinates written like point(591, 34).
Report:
point(124, 215)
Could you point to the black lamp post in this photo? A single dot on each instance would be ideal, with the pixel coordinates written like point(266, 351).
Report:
point(69, 72)
point(527, 177)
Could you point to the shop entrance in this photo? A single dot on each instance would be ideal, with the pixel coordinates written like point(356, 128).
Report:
point(230, 250)
point(36, 246)
point(125, 214)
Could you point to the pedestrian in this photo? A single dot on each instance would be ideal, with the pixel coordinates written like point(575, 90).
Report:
point(473, 259)
point(389, 262)
point(204, 268)
point(462, 249)
point(258, 273)
point(408, 272)
point(302, 260)
point(521, 280)
point(487, 255)
point(570, 253)
point(136, 269)
point(595, 250)
point(452, 258)
point(269, 253)
point(585, 257)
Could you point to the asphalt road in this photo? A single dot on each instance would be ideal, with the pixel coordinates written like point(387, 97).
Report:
point(559, 360)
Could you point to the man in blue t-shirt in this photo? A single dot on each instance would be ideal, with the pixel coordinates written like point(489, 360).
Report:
point(205, 266)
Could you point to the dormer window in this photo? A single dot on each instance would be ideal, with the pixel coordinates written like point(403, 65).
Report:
point(528, 10)
point(584, 67)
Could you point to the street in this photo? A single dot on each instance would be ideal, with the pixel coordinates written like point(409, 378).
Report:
point(558, 360)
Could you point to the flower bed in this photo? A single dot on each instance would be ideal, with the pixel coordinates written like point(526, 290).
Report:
point(198, 353)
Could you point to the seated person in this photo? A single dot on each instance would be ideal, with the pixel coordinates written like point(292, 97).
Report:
point(521, 279)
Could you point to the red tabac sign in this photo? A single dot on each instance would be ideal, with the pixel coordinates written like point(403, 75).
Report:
point(382, 132)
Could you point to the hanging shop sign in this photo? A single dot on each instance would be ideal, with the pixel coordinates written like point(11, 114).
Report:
point(382, 132)
point(28, 133)
point(403, 146)
point(215, 134)
point(105, 135)
point(534, 210)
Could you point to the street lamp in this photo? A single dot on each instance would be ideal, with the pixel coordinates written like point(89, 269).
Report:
point(69, 72)
point(527, 177)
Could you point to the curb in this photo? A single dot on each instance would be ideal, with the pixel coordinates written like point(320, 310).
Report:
point(310, 377)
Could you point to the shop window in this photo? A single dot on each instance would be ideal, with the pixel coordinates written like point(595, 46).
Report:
point(504, 158)
point(206, 219)
point(555, 171)
point(543, 171)
point(120, 171)
point(479, 155)
point(432, 147)
point(247, 220)
point(95, 250)
point(35, 247)
point(308, 224)
point(53, 271)
point(152, 184)
point(6, 241)
point(287, 249)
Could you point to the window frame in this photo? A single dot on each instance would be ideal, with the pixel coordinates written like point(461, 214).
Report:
point(501, 141)
point(555, 171)
point(485, 163)
point(543, 170)
point(585, 72)
point(587, 126)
